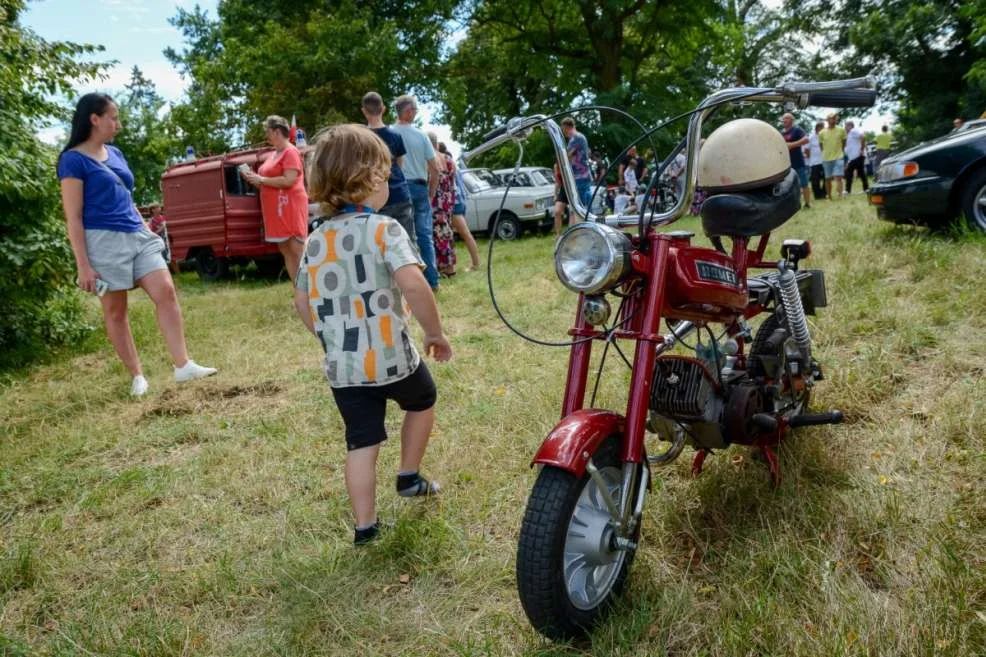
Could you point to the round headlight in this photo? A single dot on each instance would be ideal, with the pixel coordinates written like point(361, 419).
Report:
point(591, 257)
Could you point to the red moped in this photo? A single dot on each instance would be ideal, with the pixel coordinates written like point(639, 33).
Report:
point(734, 387)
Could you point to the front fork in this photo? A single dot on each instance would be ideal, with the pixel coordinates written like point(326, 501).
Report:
point(625, 513)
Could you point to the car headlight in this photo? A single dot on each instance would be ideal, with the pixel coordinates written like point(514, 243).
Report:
point(592, 258)
point(897, 171)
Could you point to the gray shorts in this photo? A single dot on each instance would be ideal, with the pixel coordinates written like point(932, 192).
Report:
point(122, 259)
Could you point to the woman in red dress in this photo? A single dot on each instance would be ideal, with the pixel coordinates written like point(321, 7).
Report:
point(283, 200)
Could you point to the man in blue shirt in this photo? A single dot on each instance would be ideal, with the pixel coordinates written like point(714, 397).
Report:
point(796, 138)
point(421, 172)
point(399, 204)
point(578, 154)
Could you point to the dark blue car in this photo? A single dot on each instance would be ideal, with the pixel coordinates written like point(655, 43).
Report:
point(935, 182)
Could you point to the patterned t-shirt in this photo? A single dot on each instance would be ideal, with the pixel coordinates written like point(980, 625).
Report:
point(578, 153)
point(357, 308)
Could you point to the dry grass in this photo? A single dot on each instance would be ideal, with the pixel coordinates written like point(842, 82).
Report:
point(212, 519)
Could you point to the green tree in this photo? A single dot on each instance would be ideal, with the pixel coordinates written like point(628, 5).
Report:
point(41, 306)
point(546, 55)
point(313, 59)
point(148, 138)
point(653, 59)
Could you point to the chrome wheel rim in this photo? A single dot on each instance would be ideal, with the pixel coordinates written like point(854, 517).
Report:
point(591, 563)
point(506, 230)
point(979, 209)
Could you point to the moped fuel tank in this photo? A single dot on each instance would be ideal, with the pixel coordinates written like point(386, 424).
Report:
point(703, 280)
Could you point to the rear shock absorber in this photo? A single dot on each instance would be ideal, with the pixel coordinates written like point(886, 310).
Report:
point(797, 323)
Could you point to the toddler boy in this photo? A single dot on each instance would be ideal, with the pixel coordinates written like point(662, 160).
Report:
point(358, 269)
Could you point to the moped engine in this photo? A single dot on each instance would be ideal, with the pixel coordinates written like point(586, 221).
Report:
point(712, 411)
point(686, 395)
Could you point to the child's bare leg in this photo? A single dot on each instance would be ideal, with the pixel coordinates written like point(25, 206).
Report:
point(361, 482)
point(415, 433)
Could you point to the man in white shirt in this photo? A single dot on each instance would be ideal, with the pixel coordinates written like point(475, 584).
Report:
point(675, 173)
point(621, 201)
point(813, 155)
point(855, 153)
point(630, 177)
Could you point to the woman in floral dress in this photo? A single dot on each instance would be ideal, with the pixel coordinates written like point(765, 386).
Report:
point(442, 205)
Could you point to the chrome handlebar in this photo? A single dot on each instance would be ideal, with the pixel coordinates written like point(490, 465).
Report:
point(856, 92)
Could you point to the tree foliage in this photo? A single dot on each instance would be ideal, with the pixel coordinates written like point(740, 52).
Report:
point(929, 56)
point(653, 59)
point(148, 137)
point(310, 58)
point(40, 304)
point(546, 55)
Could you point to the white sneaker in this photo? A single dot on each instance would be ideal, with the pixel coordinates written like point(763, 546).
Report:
point(191, 371)
point(138, 387)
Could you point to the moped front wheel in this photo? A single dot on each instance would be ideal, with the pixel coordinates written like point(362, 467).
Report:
point(569, 568)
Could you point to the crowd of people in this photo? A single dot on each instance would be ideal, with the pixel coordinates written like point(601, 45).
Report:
point(831, 156)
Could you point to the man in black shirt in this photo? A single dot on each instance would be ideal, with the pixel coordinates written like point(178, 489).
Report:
point(641, 168)
point(399, 205)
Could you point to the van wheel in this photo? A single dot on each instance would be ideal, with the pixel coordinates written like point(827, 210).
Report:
point(270, 267)
point(209, 267)
point(506, 226)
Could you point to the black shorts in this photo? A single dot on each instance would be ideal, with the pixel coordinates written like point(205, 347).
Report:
point(561, 196)
point(364, 408)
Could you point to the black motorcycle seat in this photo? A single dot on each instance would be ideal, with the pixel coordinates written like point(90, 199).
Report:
point(755, 212)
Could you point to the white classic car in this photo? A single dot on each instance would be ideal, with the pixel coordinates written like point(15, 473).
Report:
point(524, 207)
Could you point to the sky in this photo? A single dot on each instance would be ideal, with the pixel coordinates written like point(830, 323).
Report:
point(135, 33)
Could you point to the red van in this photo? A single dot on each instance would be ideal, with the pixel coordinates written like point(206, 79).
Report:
point(213, 214)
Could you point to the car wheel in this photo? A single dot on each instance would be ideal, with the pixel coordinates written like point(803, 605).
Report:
point(974, 200)
point(506, 226)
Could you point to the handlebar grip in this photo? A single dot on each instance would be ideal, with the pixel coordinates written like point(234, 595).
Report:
point(494, 133)
point(830, 85)
point(843, 98)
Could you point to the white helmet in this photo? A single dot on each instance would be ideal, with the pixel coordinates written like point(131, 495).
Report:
point(742, 154)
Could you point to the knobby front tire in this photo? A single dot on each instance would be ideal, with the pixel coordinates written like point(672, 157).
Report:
point(566, 586)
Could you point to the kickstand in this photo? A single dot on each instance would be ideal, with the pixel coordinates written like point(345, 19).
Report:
point(772, 464)
point(698, 461)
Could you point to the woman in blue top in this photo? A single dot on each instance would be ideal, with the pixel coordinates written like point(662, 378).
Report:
point(114, 250)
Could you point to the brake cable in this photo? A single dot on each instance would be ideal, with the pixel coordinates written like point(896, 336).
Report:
point(646, 134)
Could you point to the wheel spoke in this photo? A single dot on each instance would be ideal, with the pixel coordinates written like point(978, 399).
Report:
point(591, 566)
point(575, 581)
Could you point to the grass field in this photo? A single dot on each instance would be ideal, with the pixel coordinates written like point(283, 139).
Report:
point(212, 519)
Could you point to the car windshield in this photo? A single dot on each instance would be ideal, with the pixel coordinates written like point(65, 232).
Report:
point(518, 180)
point(530, 178)
point(477, 180)
point(969, 125)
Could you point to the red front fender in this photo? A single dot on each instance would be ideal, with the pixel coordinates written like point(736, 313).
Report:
point(576, 437)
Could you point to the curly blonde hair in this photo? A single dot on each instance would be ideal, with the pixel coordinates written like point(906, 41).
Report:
point(348, 165)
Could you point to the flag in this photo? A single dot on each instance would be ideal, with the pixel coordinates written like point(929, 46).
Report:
point(294, 129)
